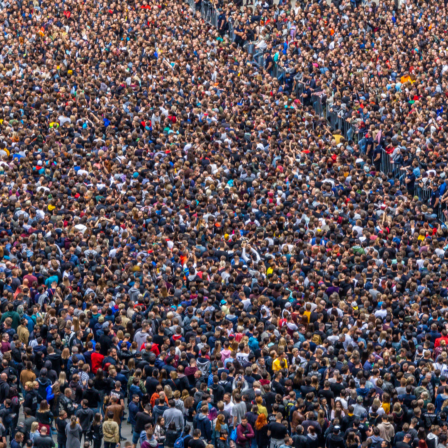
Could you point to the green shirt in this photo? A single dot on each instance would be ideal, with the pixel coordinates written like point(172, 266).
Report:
point(14, 316)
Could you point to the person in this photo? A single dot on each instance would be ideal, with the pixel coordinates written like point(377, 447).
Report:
point(196, 441)
point(219, 426)
point(160, 431)
point(277, 431)
point(96, 431)
point(141, 420)
point(245, 434)
point(17, 441)
point(261, 431)
point(223, 440)
point(44, 416)
point(334, 439)
point(203, 423)
point(28, 421)
point(117, 410)
point(43, 440)
point(174, 415)
point(73, 431)
point(92, 396)
point(34, 432)
point(61, 423)
point(85, 417)
point(171, 435)
point(111, 431)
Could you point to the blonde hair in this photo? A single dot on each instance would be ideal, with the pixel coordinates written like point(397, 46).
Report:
point(75, 324)
point(168, 392)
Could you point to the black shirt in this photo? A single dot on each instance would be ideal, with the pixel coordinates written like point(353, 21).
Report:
point(44, 442)
point(196, 443)
point(278, 431)
point(328, 394)
point(141, 419)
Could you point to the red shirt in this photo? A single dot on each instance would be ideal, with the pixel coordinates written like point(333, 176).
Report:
point(97, 361)
point(439, 340)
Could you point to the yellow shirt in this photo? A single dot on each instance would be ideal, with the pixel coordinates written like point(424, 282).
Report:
point(276, 365)
point(262, 410)
point(337, 137)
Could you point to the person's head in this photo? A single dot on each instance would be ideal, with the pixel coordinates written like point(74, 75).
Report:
point(43, 406)
point(196, 433)
point(261, 421)
point(97, 419)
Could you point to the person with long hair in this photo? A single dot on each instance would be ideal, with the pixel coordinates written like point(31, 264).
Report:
point(219, 425)
point(73, 432)
point(189, 411)
point(44, 415)
point(261, 431)
point(159, 431)
point(65, 356)
point(34, 431)
point(96, 430)
point(63, 383)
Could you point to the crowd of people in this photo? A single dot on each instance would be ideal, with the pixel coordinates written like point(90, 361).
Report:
point(190, 253)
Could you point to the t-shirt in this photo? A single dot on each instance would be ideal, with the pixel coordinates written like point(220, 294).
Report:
point(278, 431)
point(196, 443)
point(239, 411)
point(44, 442)
point(328, 394)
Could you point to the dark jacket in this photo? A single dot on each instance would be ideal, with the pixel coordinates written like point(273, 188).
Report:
point(335, 441)
point(85, 416)
point(261, 436)
point(171, 437)
point(4, 391)
point(218, 393)
point(92, 396)
point(66, 404)
point(31, 401)
point(204, 424)
point(134, 408)
point(44, 382)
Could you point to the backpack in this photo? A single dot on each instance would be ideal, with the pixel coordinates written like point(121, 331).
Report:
point(179, 443)
point(289, 405)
